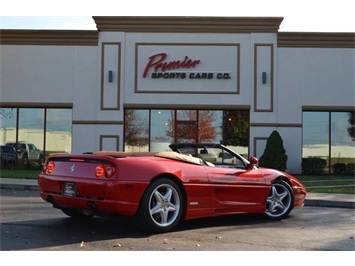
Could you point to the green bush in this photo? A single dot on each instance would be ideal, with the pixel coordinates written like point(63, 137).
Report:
point(350, 168)
point(313, 165)
point(339, 168)
point(274, 154)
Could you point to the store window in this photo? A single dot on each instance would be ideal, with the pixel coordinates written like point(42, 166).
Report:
point(161, 129)
point(328, 143)
point(31, 126)
point(8, 120)
point(342, 143)
point(210, 126)
point(136, 130)
point(236, 131)
point(35, 133)
point(58, 131)
point(155, 129)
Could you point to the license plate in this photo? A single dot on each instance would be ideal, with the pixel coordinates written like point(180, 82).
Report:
point(69, 189)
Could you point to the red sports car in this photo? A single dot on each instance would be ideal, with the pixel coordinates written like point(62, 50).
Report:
point(158, 190)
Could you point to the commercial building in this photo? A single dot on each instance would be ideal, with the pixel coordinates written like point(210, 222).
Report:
point(141, 83)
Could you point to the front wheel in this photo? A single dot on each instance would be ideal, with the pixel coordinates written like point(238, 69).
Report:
point(280, 200)
point(161, 207)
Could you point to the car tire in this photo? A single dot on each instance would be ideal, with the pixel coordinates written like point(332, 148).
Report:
point(25, 161)
point(78, 214)
point(40, 162)
point(280, 200)
point(161, 207)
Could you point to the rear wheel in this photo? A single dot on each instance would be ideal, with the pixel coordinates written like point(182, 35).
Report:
point(280, 200)
point(25, 161)
point(78, 214)
point(161, 207)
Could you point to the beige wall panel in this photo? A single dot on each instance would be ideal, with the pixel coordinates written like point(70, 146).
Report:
point(263, 87)
point(110, 83)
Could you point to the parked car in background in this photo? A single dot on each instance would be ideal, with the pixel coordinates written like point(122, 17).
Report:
point(8, 156)
point(27, 153)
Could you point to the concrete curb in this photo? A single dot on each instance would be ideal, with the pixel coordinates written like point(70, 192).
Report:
point(328, 203)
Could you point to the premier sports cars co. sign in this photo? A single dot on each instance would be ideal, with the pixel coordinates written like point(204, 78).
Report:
point(187, 68)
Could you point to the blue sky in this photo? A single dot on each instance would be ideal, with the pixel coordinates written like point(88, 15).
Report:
point(300, 15)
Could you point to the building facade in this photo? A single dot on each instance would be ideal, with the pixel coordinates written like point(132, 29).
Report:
point(141, 83)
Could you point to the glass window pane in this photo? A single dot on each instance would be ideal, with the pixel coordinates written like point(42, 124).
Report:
point(136, 130)
point(31, 126)
point(186, 131)
point(59, 131)
point(210, 126)
point(342, 142)
point(315, 150)
point(236, 131)
point(161, 130)
point(186, 115)
point(7, 125)
point(31, 131)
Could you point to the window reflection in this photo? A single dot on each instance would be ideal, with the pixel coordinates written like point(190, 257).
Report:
point(8, 125)
point(342, 143)
point(236, 131)
point(136, 130)
point(33, 143)
point(154, 130)
point(161, 129)
point(328, 143)
point(58, 131)
point(31, 126)
point(210, 126)
point(315, 149)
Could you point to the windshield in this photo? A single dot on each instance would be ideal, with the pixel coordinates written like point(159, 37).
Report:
point(219, 156)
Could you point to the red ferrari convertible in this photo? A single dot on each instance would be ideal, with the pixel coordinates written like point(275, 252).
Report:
point(158, 190)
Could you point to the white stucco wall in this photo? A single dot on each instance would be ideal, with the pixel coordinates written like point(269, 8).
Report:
point(51, 74)
point(303, 78)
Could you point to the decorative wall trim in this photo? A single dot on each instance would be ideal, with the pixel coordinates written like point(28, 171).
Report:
point(275, 125)
point(95, 122)
point(188, 24)
point(115, 137)
point(328, 108)
point(49, 37)
point(270, 80)
point(104, 76)
point(186, 106)
point(316, 39)
point(35, 105)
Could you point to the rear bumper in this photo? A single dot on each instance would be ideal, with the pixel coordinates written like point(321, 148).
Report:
point(103, 196)
point(100, 206)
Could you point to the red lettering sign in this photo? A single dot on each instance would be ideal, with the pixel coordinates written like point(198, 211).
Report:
point(157, 63)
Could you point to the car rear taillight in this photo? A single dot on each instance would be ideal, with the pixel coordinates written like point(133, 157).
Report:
point(101, 170)
point(110, 171)
point(50, 167)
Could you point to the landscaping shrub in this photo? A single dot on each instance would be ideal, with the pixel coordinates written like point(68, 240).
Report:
point(274, 154)
point(313, 165)
point(339, 168)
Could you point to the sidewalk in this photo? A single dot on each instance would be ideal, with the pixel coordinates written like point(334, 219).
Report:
point(312, 199)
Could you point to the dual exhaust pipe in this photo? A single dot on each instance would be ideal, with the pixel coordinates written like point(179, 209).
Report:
point(91, 205)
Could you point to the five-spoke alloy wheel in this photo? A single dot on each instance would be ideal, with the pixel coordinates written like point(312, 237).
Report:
point(280, 200)
point(161, 207)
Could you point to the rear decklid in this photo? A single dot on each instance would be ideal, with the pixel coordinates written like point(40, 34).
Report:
point(83, 175)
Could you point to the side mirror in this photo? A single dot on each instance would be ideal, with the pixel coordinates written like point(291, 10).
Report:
point(253, 161)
